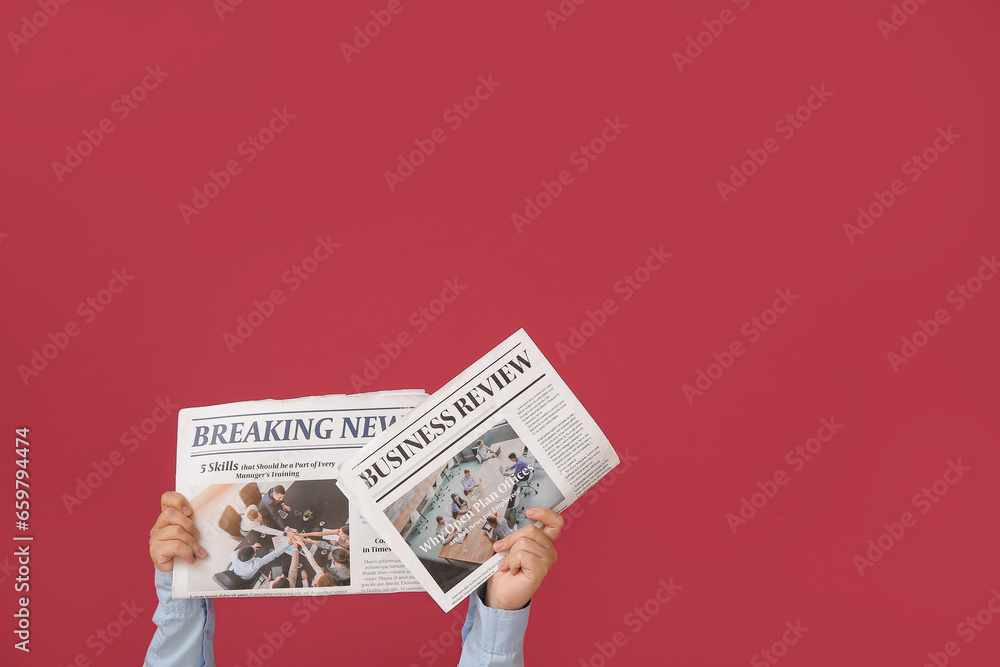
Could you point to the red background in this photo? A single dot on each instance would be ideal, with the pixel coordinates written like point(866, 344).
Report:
point(656, 185)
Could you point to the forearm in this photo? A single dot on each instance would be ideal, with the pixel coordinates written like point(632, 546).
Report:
point(267, 530)
point(312, 561)
point(321, 533)
point(276, 553)
point(493, 637)
point(293, 570)
point(184, 629)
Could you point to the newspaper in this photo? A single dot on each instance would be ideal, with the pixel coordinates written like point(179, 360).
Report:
point(456, 474)
point(235, 461)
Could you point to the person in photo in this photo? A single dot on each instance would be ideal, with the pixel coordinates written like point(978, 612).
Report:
point(519, 469)
point(324, 581)
point(246, 563)
point(252, 520)
point(293, 569)
point(441, 531)
point(456, 506)
point(273, 504)
point(496, 529)
point(484, 453)
point(469, 483)
point(340, 567)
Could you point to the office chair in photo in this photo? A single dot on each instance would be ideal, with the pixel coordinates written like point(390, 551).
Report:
point(230, 581)
point(229, 522)
point(250, 494)
point(525, 485)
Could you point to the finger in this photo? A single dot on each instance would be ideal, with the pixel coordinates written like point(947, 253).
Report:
point(173, 516)
point(528, 555)
point(185, 551)
point(531, 546)
point(176, 501)
point(513, 562)
point(552, 521)
point(174, 532)
point(163, 552)
point(531, 532)
point(529, 565)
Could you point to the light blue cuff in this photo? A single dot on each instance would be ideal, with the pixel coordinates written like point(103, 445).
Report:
point(185, 629)
point(493, 637)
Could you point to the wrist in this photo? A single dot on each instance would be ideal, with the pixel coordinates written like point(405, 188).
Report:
point(488, 598)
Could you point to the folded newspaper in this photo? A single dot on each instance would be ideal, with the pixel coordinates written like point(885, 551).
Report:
point(261, 477)
point(457, 473)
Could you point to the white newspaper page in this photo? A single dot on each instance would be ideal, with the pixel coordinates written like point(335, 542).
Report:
point(459, 472)
point(261, 477)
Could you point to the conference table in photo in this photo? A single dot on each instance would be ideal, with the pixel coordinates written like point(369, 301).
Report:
point(477, 548)
point(327, 502)
point(413, 500)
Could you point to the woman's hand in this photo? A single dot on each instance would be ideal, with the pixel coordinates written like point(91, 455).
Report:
point(530, 555)
point(174, 533)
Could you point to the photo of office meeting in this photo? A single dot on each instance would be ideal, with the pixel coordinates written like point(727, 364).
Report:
point(274, 536)
point(451, 518)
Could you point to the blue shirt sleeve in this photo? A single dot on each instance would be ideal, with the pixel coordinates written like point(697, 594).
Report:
point(261, 562)
point(184, 629)
point(493, 637)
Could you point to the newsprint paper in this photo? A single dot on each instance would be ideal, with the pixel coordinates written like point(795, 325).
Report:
point(456, 474)
point(261, 477)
